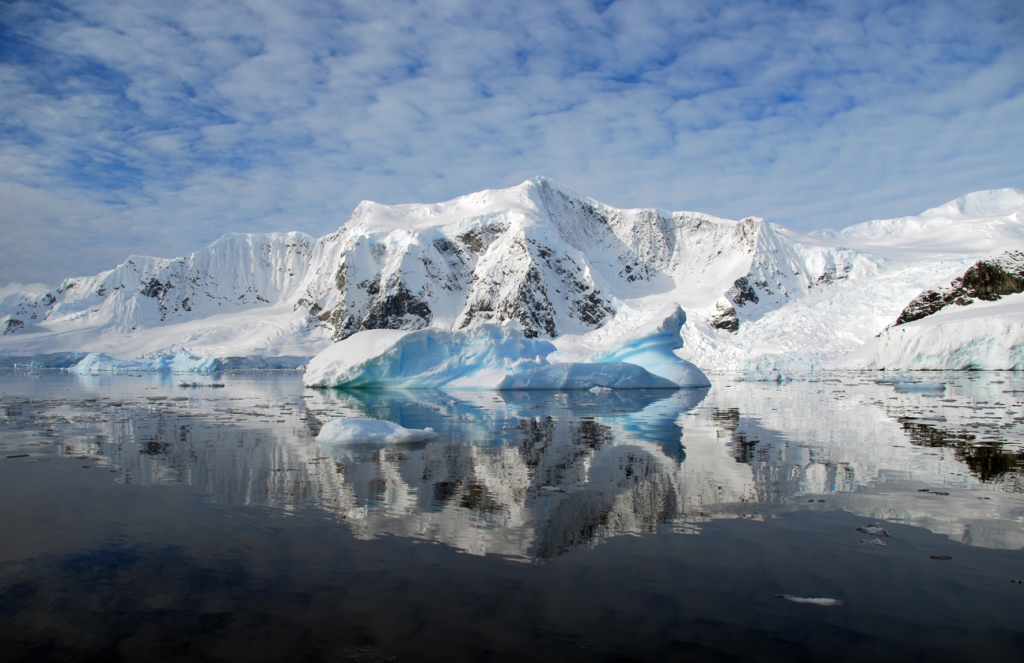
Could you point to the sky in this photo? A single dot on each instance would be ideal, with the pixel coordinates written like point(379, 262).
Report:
point(136, 127)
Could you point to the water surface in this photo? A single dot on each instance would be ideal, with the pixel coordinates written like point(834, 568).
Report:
point(145, 521)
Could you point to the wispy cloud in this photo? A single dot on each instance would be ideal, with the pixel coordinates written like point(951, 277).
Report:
point(136, 127)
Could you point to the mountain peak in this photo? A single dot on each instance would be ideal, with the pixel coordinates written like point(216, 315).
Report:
point(992, 202)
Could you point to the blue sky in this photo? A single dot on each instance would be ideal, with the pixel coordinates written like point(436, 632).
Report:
point(134, 127)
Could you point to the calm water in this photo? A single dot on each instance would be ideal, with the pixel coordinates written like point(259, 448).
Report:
point(144, 521)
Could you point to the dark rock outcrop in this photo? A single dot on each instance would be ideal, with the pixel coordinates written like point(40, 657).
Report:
point(724, 317)
point(987, 280)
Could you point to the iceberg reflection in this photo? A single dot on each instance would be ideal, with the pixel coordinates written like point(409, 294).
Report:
point(534, 474)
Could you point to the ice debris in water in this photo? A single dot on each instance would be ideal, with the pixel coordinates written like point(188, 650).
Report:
point(598, 390)
point(617, 375)
point(800, 599)
point(873, 530)
point(191, 385)
point(769, 376)
point(906, 384)
point(909, 387)
point(486, 357)
point(355, 430)
point(182, 362)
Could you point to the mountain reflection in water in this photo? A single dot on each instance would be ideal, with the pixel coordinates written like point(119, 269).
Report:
point(534, 474)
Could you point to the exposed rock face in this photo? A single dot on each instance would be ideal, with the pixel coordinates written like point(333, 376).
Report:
point(10, 325)
point(724, 317)
point(987, 280)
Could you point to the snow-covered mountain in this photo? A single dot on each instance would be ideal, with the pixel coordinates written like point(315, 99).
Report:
point(565, 266)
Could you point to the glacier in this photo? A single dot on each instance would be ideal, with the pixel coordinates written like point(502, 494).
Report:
point(569, 270)
point(982, 336)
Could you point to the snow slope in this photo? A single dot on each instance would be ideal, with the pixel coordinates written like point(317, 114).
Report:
point(566, 267)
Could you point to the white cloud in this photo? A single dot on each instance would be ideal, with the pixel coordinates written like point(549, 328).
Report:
point(31, 288)
point(134, 127)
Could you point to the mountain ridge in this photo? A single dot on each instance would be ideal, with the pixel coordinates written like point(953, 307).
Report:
point(562, 265)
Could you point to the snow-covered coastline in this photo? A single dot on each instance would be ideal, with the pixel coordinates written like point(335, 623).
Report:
point(568, 270)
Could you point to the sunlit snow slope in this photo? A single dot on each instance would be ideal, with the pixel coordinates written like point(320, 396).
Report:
point(565, 266)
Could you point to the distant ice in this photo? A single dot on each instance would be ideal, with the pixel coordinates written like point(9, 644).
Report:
point(766, 376)
point(819, 601)
point(922, 386)
point(181, 362)
point(259, 362)
point(52, 360)
point(370, 431)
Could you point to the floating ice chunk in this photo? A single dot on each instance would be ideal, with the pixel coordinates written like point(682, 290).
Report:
point(182, 362)
point(895, 379)
point(485, 357)
point(907, 387)
point(873, 530)
point(259, 362)
point(652, 347)
point(370, 431)
point(767, 376)
point(815, 602)
point(598, 390)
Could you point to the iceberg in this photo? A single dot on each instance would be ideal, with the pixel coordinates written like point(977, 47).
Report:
point(607, 375)
point(652, 347)
point(96, 363)
point(485, 357)
point(356, 430)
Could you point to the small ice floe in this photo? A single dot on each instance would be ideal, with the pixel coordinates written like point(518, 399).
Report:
point(872, 542)
point(192, 385)
point(920, 387)
point(800, 599)
point(599, 390)
point(766, 376)
point(873, 530)
point(357, 430)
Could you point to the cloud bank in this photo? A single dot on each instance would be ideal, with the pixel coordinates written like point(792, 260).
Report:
point(153, 128)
